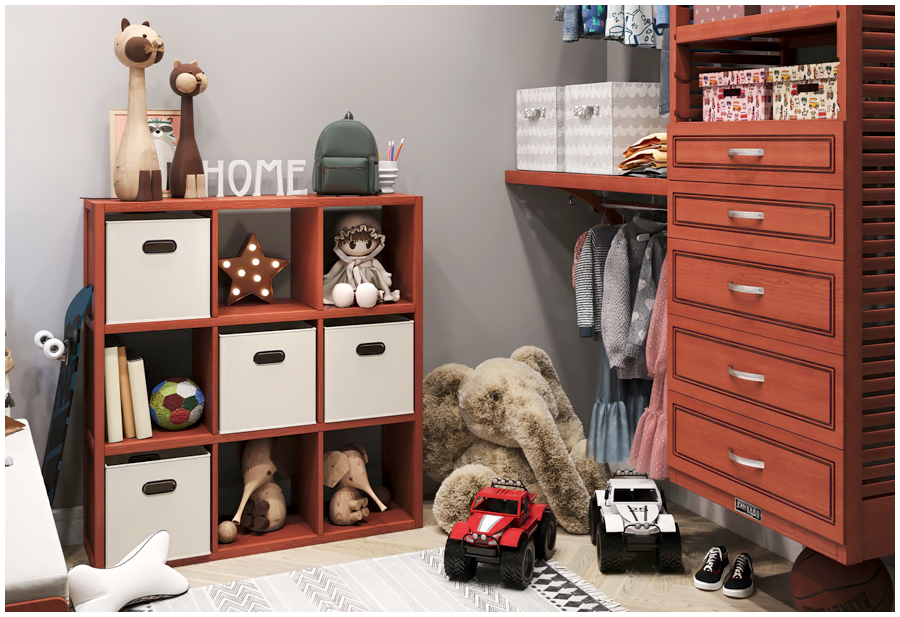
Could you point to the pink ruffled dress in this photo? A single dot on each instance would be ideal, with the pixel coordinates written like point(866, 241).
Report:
point(648, 452)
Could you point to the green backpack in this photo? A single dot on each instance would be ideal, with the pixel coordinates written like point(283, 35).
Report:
point(346, 160)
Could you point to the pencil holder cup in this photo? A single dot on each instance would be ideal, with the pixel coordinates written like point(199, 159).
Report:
point(387, 175)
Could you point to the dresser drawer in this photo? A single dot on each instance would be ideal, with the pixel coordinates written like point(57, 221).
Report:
point(790, 298)
point(799, 221)
point(783, 475)
point(802, 153)
point(794, 388)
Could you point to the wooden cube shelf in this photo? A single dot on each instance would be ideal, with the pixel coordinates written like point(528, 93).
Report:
point(306, 523)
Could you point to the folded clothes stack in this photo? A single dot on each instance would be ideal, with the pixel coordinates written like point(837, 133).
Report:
point(646, 157)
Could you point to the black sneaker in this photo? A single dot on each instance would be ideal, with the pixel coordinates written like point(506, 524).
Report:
point(714, 571)
point(740, 583)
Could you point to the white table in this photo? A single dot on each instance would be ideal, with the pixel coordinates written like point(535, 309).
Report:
point(35, 566)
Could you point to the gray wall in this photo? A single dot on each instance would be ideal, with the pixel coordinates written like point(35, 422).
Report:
point(497, 264)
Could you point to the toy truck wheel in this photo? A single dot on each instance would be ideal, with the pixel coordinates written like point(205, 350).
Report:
point(669, 553)
point(594, 519)
point(610, 550)
point(517, 565)
point(545, 538)
point(457, 566)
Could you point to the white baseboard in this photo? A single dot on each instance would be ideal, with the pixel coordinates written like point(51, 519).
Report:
point(70, 525)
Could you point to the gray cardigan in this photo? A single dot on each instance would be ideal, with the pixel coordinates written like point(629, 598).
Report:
point(620, 286)
point(589, 278)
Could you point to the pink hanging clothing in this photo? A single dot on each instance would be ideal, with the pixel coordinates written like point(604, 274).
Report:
point(648, 452)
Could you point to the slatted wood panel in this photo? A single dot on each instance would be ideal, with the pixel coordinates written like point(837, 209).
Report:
point(878, 252)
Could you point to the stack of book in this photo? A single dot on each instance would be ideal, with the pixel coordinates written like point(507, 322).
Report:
point(127, 400)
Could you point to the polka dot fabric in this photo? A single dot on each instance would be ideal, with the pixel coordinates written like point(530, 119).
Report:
point(648, 452)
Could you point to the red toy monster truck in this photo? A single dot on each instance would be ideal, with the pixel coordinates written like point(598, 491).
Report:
point(506, 528)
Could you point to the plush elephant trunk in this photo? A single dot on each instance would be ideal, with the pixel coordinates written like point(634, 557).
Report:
point(537, 435)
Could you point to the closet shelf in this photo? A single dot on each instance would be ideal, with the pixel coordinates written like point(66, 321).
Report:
point(589, 182)
point(759, 25)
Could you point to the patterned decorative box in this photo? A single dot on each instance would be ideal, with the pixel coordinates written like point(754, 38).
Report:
point(602, 120)
point(539, 129)
point(805, 91)
point(736, 96)
point(704, 13)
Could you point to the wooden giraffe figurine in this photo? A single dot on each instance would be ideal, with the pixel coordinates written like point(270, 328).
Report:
point(187, 178)
point(137, 174)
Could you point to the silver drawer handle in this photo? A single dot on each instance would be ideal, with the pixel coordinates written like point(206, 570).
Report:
point(746, 376)
point(535, 112)
point(587, 110)
point(746, 214)
point(746, 462)
point(746, 289)
point(746, 152)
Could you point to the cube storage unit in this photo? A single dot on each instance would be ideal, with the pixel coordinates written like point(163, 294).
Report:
point(540, 117)
point(156, 267)
point(267, 378)
point(240, 355)
point(603, 119)
point(369, 368)
point(143, 491)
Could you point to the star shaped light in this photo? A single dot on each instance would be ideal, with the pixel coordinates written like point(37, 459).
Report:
point(251, 272)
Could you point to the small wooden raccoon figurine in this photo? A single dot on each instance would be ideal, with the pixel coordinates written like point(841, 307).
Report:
point(137, 175)
point(187, 178)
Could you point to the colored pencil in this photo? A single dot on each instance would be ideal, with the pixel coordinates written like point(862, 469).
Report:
point(399, 149)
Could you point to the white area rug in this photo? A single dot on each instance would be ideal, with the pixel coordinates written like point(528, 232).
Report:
point(411, 582)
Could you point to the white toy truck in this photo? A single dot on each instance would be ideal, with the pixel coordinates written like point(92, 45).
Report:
point(630, 516)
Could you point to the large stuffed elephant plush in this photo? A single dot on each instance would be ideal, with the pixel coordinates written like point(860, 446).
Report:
point(507, 418)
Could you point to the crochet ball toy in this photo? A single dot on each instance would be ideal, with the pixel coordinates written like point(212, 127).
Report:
point(176, 404)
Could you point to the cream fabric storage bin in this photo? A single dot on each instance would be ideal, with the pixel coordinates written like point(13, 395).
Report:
point(369, 368)
point(157, 268)
point(602, 120)
point(171, 492)
point(539, 129)
point(267, 378)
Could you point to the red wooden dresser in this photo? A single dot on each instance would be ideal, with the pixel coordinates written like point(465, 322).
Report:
point(781, 286)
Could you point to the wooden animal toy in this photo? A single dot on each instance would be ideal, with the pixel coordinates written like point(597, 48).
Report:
point(346, 469)
point(187, 178)
point(137, 173)
point(262, 506)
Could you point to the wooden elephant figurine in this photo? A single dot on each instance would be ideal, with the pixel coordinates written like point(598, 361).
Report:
point(263, 507)
point(345, 470)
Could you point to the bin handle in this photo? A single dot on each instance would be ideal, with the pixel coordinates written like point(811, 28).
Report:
point(159, 487)
point(370, 349)
point(151, 247)
point(275, 356)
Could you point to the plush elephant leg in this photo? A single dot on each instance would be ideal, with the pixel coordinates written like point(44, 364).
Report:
point(453, 498)
point(595, 475)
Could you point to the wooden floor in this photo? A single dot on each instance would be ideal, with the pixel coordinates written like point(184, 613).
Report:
point(641, 589)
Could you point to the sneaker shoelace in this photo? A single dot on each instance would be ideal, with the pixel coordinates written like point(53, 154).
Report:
point(713, 554)
point(740, 563)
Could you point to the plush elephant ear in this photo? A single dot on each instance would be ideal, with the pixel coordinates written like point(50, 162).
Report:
point(570, 427)
point(445, 434)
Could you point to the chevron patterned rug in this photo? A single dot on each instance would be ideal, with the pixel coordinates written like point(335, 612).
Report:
point(411, 582)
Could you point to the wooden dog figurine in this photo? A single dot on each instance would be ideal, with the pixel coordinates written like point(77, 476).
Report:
point(346, 471)
point(187, 178)
point(262, 506)
point(137, 173)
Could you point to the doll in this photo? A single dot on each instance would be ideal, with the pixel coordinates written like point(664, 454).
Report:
point(358, 241)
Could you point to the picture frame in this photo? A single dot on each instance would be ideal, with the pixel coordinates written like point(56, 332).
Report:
point(167, 119)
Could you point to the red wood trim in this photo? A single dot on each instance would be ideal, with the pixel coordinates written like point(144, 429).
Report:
point(251, 203)
point(884, 453)
point(764, 23)
point(878, 471)
point(44, 605)
point(877, 489)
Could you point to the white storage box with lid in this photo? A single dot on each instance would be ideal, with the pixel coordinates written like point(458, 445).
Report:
point(539, 129)
point(157, 267)
point(603, 119)
point(369, 368)
point(267, 378)
point(167, 490)
point(805, 91)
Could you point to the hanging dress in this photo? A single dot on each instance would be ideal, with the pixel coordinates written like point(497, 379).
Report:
point(648, 452)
